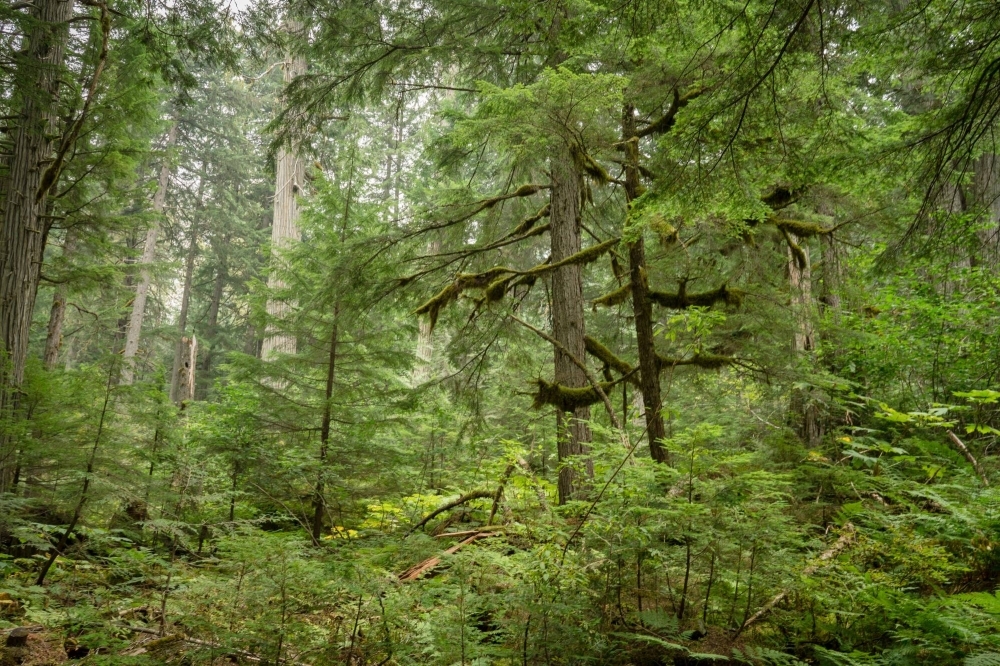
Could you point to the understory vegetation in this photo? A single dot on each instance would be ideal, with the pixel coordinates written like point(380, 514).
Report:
point(465, 332)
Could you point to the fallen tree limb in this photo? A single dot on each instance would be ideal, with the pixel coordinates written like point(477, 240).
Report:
point(968, 456)
point(465, 533)
point(181, 638)
point(419, 569)
point(838, 547)
point(467, 497)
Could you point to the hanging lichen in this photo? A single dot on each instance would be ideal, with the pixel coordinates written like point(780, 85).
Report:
point(565, 398)
point(451, 292)
point(682, 299)
point(616, 297)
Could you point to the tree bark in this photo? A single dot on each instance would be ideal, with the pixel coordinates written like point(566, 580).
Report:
point(804, 408)
point(642, 307)
point(290, 175)
point(986, 189)
point(183, 351)
point(25, 226)
point(57, 314)
point(572, 429)
point(425, 341)
point(214, 305)
point(319, 501)
point(148, 257)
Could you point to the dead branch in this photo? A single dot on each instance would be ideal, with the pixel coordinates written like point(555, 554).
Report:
point(968, 456)
point(838, 547)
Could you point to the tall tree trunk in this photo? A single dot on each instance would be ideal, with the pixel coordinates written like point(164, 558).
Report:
point(57, 314)
point(25, 226)
point(319, 500)
point(214, 305)
point(642, 307)
point(182, 353)
point(573, 431)
point(148, 257)
point(803, 406)
point(425, 341)
point(290, 175)
point(986, 189)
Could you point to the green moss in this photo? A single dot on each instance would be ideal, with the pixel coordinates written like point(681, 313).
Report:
point(565, 398)
point(528, 223)
point(616, 297)
point(682, 299)
point(703, 360)
point(588, 165)
point(799, 227)
point(606, 356)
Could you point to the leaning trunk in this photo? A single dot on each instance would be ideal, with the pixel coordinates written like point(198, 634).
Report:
point(573, 431)
point(642, 307)
point(148, 256)
point(25, 226)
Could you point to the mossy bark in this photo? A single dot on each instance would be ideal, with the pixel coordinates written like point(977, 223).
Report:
point(567, 317)
point(642, 307)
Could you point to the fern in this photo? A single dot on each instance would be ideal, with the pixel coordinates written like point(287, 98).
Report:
point(983, 659)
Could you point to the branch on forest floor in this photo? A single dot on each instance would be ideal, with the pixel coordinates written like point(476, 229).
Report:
point(143, 648)
point(833, 551)
point(968, 456)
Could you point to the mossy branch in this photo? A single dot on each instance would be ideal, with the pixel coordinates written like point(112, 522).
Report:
point(682, 299)
point(616, 297)
point(522, 191)
point(589, 165)
point(495, 281)
point(701, 360)
point(606, 356)
point(669, 119)
point(528, 223)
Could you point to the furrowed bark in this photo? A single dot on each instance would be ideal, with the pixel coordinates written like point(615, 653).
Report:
point(148, 257)
point(803, 408)
point(25, 228)
point(573, 430)
point(642, 307)
point(290, 174)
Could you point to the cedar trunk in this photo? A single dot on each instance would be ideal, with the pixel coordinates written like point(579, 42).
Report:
point(642, 307)
point(25, 226)
point(573, 431)
point(183, 351)
point(57, 314)
point(290, 174)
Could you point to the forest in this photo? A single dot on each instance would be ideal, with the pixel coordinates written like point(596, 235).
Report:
point(469, 332)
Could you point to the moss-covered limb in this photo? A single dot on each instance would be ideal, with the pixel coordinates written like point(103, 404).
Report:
point(800, 255)
point(467, 497)
point(496, 280)
point(484, 204)
point(581, 258)
point(682, 299)
point(589, 165)
point(643, 171)
point(781, 197)
point(568, 399)
point(666, 123)
point(461, 283)
point(606, 356)
point(529, 222)
point(616, 297)
point(702, 360)
point(799, 227)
